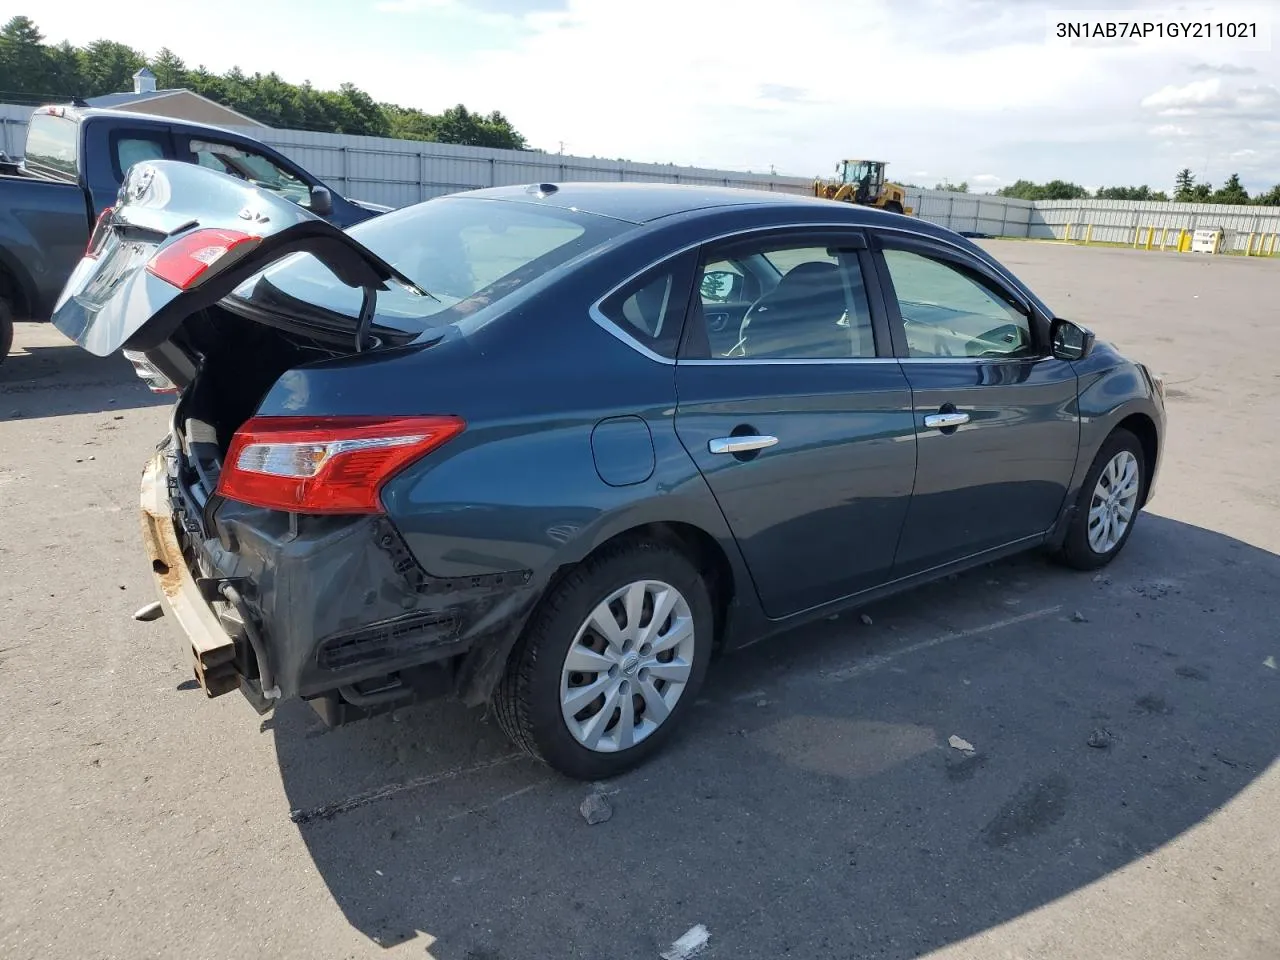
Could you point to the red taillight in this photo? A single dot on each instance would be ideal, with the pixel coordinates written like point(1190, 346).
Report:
point(188, 260)
point(95, 235)
point(326, 464)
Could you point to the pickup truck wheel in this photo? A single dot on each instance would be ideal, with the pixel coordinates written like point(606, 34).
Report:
point(610, 663)
point(1109, 503)
point(6, 329)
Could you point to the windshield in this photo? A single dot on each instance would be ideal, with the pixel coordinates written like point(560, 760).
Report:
point(464, 254)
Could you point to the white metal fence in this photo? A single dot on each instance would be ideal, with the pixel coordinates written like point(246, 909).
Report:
point(401, 172)
point(974, 213)
point(1134, 221)
point(13, 129)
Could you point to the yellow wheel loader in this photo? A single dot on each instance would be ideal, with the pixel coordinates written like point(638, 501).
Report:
point(863, 182)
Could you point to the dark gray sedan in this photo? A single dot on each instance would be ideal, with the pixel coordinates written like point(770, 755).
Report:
point(552, 447)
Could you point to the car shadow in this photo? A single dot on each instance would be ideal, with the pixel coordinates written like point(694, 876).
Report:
point(815, 805)
point(47, 379)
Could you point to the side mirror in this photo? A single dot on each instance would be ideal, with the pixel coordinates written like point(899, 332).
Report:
point(719, 285)
point(321, 201)
point(1070, 341)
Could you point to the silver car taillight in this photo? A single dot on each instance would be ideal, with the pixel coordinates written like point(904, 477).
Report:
point(149, 374)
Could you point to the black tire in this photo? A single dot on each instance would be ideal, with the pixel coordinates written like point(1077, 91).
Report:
point(527, 700)
point(6, 329)
point(893, 206)
point(1076, 551)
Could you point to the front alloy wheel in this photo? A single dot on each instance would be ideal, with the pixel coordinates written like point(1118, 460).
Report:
point(1115, 498)
point(1107, 509)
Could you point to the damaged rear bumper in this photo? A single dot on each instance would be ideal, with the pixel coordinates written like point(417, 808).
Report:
point(209, 647)
point(335, 610)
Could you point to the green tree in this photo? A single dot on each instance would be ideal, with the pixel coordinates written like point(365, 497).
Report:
point(29, 69)
point(65, 80)
point(1202, 193)
point(108, 67)
point(460, 125)
point(1022, 190)
point(1184, 185)
point(1269, 199)
point(962, 187)
point(1125, 193)
point(1231, 191)
point(24, 61)
point(170, 71)
point(1053, 190)
point(1064, 190)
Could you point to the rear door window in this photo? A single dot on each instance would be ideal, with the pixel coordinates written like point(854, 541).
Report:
point(135, 146)
point(257, 168)
point(812, 303)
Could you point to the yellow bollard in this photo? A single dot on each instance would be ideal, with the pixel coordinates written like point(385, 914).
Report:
point(1066, 237)
point(1248, 246)
point(1088, 235)
point(1151, 232)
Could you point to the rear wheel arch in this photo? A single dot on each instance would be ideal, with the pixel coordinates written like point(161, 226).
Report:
point(529, 699)
point(481, 669)
point(701, 548)
point(15, 290)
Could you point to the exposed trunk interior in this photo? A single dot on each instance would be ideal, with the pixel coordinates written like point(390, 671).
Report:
point(241, 360)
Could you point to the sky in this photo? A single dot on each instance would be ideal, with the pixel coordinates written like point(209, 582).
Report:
point(959, 90)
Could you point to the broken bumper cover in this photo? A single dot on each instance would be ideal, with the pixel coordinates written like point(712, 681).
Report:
point(333, 601)
point(211, 648)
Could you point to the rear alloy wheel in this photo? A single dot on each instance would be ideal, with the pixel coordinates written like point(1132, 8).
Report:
point(611, 662)
point(1108, 505)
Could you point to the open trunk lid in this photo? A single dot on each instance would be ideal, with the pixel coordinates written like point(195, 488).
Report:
point(182, 237)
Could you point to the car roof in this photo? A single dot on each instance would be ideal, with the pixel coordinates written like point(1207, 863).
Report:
point(73, 112)
point(644, 202)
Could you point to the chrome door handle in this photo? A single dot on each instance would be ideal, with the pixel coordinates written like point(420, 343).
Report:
point(940, 421)
point(740, 444)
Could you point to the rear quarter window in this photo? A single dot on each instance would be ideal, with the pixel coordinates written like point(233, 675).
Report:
point(53, 146)
point(651, 308)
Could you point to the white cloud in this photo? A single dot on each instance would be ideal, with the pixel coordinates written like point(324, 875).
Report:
point(929, 85)
point(411, 6)
point(1196, 93)
point(1227, 69)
